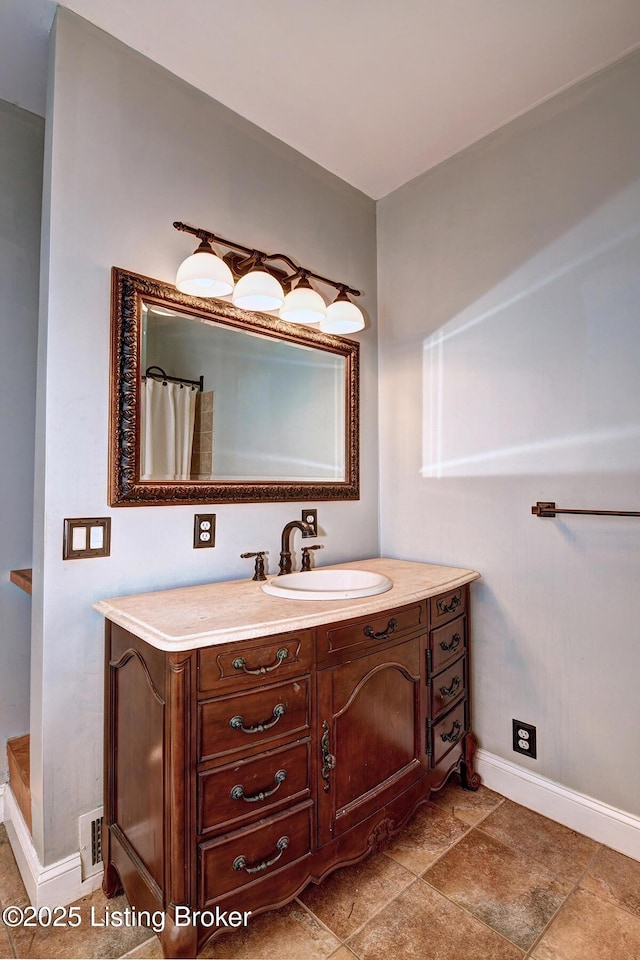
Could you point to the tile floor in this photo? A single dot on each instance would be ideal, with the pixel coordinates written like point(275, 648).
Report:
point(472, 877)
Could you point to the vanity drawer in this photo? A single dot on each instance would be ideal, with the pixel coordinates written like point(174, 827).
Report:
point(447, 605)
point(376, 628)
point(243, 721)
point(447, 732)
point(252, 787)
point(246, 855)
point(237, 665)
point(447, 687)
point(446, 644)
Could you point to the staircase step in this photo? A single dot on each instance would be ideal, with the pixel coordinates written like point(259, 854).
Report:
point(18, 756)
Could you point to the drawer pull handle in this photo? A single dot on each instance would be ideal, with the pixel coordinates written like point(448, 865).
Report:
point(449, 607)
point(369, 632)
point(455, 641)
point(452, 690)
point(328, 760)
point(237, 792)
point(237, 723)
point(241, 664)
point(454, 733)
point(240, 863)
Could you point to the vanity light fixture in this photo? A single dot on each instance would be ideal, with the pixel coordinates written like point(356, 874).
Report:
point(258, 290)
point(204, 274)
point(256, 284)
point(303, 304)
point(342, 316)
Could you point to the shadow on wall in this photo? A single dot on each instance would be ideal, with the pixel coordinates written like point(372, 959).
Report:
point(542, 374)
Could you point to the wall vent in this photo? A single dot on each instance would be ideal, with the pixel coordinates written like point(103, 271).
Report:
point(91, 842)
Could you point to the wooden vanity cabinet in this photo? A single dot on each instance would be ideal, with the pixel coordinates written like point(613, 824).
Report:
point(236, 774)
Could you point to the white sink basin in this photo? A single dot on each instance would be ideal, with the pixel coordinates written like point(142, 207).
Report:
point(336, 584)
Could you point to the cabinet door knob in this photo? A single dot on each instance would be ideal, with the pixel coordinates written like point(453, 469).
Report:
point(240, 863)
point(237, 792)
point(237, 723)
point(369, 632)
point(241, 664)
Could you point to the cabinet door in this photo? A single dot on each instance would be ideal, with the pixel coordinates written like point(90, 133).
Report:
point(369, 728)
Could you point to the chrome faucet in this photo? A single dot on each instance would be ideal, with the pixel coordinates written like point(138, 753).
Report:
point(307, 529)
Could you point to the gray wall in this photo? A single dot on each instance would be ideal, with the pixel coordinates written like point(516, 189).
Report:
point(21, 147)
point(509, 292)
point(130, 149)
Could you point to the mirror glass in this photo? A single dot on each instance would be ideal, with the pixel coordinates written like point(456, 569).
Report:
point(211, 403)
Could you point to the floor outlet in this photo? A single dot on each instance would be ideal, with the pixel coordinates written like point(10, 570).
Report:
point(524, 738)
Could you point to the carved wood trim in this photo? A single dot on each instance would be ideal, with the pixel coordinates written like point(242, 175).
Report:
point(400, 667)
point(126, 656)
point(178, 785)
point(125, 487)
point(380, 836)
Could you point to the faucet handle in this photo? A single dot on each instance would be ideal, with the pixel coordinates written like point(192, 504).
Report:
point(306, 559)
point(258, 573)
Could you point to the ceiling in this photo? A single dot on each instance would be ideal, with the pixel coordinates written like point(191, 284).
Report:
point(376, 91)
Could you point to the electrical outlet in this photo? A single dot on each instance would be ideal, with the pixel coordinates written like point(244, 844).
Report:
point(311, 517)
point(204, 530)
point(524, 738)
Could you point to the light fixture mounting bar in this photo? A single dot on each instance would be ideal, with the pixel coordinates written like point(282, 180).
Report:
point(298, 271)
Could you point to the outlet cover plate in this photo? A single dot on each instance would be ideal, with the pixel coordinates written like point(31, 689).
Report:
point(204, 530)
point(524, 739)
point(311, 517)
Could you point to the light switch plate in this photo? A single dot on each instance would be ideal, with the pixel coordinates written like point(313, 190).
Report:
point(86, 537)
point(204, 530)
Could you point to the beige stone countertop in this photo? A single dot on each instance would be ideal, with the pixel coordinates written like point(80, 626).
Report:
point(213, 613)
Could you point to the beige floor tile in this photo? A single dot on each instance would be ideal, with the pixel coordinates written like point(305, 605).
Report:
point(343, 953)
point(421, 924)
point(467, 805)
point(88, 940)
point(149, 950)
point(5, 943)
point(616, 877)
point(561, 851)
point(501, 887)
point(589, 928)
point(287, 934)
point(429, 834)
point(350, 896)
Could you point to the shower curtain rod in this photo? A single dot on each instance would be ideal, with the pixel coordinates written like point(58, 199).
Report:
point(547, 508)
point(157, 372)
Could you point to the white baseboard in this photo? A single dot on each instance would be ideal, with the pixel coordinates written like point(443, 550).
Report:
point(56, 885)
point(601, 822)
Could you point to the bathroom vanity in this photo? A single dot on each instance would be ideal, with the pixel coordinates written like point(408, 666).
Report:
point(254, 744)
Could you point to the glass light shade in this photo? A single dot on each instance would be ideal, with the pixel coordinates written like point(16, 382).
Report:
point(258, 290)
point(303, 305)
point(203, 274)
point(342, 317)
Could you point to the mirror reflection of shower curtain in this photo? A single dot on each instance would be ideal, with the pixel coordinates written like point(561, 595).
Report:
point(168, 415)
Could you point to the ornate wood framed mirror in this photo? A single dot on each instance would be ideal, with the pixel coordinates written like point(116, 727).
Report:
point(213, 404)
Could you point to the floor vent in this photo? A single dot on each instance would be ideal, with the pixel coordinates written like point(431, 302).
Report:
point(91, 842)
